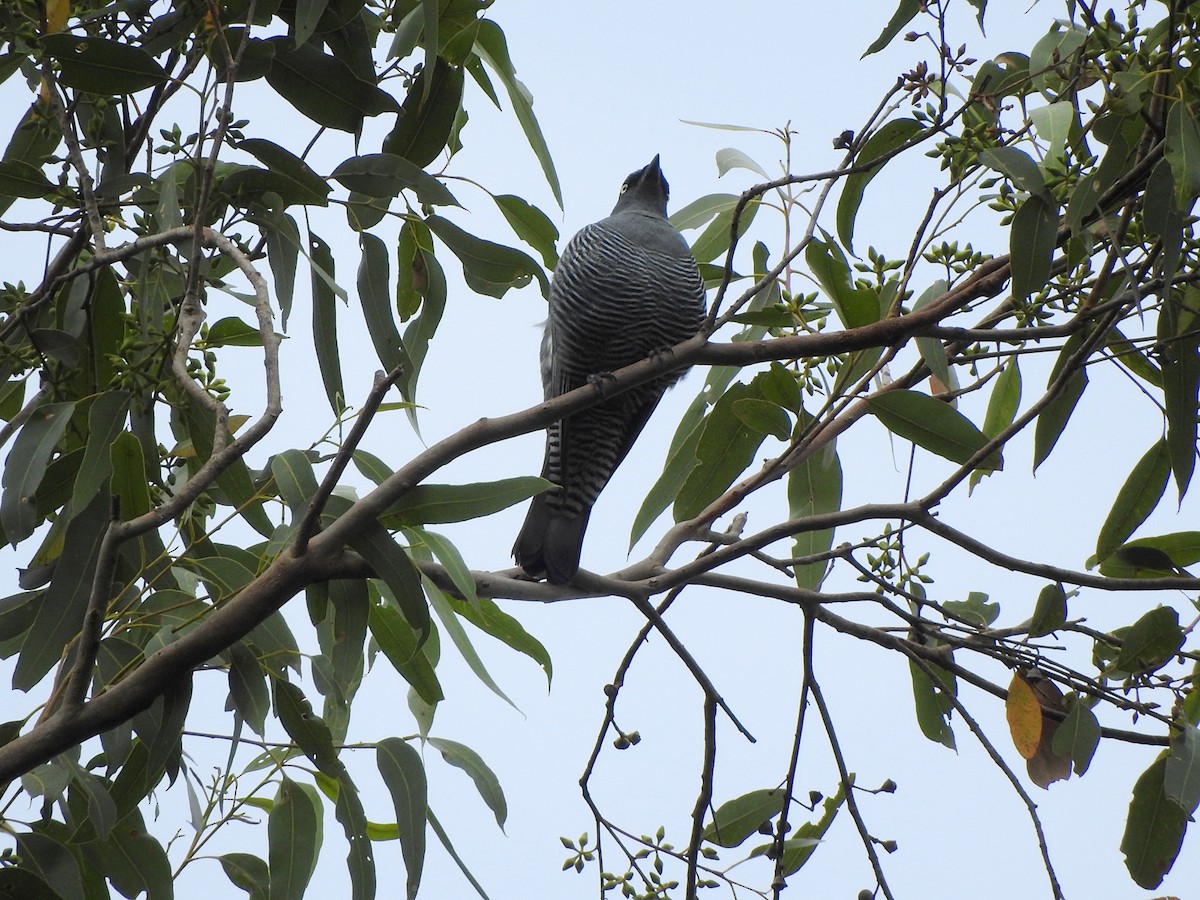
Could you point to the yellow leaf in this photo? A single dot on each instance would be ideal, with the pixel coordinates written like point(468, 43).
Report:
point(57, 14)
point(1024, 717)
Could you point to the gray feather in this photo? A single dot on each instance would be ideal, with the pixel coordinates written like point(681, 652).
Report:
point(625, 287)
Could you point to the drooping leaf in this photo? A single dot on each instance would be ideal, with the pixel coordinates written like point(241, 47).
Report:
point(1154, 829)
point(399, 642)
point(531, 225)
point(403, 773)
point(492, 48)
point(1078, 736)
point(486, 782)
point(26, 466)
point(1138, 497)
point(1181, 780)
point(1033, 237)
point(1050, 613)
point(375, 295)
point(814, 488)
point(294, 836)
point(902, 16)
point(1024, 715)
point(426, 118)
point(489, 268)
point(888, 138)
point(855, 306)
point(59, 615)
point(324, 322)
point(304, 184)
point(932, 705)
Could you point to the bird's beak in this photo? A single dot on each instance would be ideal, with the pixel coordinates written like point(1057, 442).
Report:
point(654, 164)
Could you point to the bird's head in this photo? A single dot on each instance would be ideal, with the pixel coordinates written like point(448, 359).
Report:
point(646, 190)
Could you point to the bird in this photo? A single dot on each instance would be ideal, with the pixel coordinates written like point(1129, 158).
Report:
point(625, 288)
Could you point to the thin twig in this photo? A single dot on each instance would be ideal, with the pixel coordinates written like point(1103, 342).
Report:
point(312, 515)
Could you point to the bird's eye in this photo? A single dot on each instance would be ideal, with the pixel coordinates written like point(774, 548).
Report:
point(624, 187)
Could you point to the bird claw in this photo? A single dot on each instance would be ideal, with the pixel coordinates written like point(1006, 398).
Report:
point(602, 380)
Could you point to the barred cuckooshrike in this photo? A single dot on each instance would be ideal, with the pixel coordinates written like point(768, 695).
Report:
point(625, 287)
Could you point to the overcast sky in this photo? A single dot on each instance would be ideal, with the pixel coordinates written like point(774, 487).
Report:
point(613, 82)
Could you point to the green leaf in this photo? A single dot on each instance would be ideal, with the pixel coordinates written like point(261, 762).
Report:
point(932, 704)
point(1154, 829)
point(700, 211)
point(360, 858)
point(323, 88)
point(801, 844)
point(763, 416)
point(1004, 401)
point(1054, 416)
point(106, 418)
point(737, 819)
point(1181, 548)
point(463, 757)
point(887, 138)
point(485, 615)
point(25, 467)
point(302, 182)
point(1033, 238)
point(305, 727)
point(404, 776)
point(904, 14)
point(1077, 736)
point(386, 175)
point(430, 504)
point(1180, 363)
point(324, 322)
point(399, 642)
point(854, 306)
point(975, 609)
point(1182, 151)
point(375, 295)
point(248, 687)
point(730, 158)
point(933, 425)
point(232, 332)
point(458, 636)
point(102, 67)
point(283, 250)
point(489, 268)
point(1181, 781)
point(60, 611)
point(293, 474)
point(294, 839)
point(814, 488)
point(19, 883)
point(531, 225)
point(492, 48)
point(726, 447)
point(1151, 641)
point(20, 179)
point(248, 872)
point(1138, 497)
point(426, 118)
point(1050, 612)
point(1019, 167)
point(135, 862)
point(715, 239)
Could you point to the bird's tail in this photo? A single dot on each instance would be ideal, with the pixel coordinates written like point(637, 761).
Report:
point(550, 541)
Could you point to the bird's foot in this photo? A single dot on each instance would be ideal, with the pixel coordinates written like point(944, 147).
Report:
point(602, 380)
